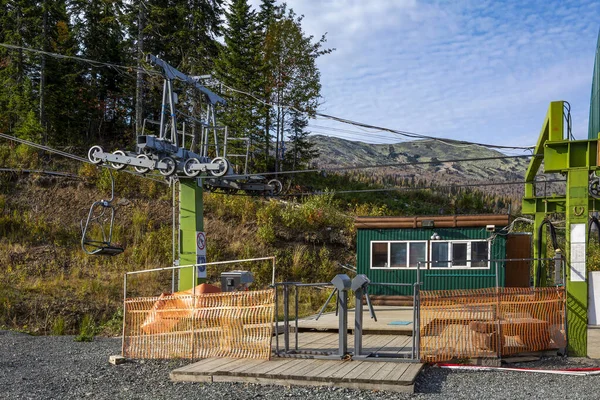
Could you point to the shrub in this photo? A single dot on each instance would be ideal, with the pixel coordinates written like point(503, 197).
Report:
point(87, 330)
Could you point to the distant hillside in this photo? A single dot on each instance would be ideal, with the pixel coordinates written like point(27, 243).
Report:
point(336, 152)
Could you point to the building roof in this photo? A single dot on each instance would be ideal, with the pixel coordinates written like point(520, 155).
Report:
point(433, 221)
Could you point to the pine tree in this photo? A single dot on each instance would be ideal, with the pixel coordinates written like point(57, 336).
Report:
point(291, 57)
point(238, 66)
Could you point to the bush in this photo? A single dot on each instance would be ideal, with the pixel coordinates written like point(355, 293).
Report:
point(87, 330)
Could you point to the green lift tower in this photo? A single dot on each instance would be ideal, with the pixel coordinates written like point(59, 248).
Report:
point(577, 160)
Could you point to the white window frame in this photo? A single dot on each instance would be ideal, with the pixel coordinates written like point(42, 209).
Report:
point(450, 242)
point(389, 254)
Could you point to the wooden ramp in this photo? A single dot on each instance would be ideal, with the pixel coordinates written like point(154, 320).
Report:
point(366, 375)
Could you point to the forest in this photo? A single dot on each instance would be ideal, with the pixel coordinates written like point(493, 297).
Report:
point(88, 82)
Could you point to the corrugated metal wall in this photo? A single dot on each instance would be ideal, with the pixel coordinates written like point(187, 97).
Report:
point(434, 279)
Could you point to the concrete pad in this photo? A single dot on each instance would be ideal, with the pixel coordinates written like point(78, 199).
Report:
point(593, 345)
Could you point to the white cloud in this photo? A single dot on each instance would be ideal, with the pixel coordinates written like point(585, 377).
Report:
point(472, 70)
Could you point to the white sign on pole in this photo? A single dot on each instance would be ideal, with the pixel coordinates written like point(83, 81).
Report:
point(201, 254)
point(578, 252)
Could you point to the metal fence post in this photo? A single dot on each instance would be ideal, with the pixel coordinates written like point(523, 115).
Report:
point(296, 318)
point(286, 318)
point(276, 319)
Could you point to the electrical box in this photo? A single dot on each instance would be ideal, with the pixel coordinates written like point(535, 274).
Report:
point(234, 281)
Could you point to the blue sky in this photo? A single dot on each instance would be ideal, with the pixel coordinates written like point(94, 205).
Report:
point(471, 70)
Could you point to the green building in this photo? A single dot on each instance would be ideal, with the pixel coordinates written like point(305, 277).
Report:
point(448, 252)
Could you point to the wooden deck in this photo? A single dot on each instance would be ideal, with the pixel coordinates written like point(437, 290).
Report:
point(391, 376)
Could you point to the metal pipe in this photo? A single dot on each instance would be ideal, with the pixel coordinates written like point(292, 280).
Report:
point(343, 322)
point(173, 211)
point(161, 133)
point(276, 320)
point(414, 339)
point(193, 308)
point(286, 319)
point(173, 115)
point(124, 313)
point(358, 322)
point(296, 317)
point(194, 265)
point(325, 305)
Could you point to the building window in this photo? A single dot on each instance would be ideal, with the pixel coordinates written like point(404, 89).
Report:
point(398, 254)
point(460, 254)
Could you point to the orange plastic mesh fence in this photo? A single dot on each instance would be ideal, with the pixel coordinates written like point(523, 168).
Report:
point(234, 324)
point(490, 322)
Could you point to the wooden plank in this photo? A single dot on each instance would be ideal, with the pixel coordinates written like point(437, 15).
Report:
point(394, 375)
point(373, 370)
point(230, 365)
point(284, 367)
point(411, 373)
point(334, 369)
point(271, 365)
point(306, 366)
point(385, 370)
point(358, 371)
point(350, 365)
point(252, 365)
point(206, 365)
point(295, 368)
point(316, 372)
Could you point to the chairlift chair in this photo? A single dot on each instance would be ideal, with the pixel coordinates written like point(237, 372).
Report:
point(102, 246)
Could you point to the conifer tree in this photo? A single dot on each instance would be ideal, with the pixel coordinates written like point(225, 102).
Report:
point(238, 66)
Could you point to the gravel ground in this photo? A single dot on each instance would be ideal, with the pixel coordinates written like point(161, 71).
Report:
point(57, 367)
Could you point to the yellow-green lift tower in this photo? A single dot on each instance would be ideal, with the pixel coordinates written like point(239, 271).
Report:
point(575, 159)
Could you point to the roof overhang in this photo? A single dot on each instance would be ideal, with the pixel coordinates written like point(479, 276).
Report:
point(436, 221)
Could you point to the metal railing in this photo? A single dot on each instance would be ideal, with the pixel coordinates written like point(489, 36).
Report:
point(286, 288)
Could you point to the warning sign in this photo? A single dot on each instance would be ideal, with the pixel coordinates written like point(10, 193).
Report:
point(201, 254)
point(201, 240)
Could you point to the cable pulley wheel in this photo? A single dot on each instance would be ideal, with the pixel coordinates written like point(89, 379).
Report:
point(142, 170)
point(171, 166)
point(118, 165)
point(187, 167)
point(595, 188)
point(223, 167)
point(91, 155)
point(277, 186)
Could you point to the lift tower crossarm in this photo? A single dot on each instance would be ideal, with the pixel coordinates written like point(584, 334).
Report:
point(172, 73)
point(552, 130)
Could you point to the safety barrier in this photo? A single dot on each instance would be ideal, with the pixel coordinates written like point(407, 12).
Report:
point(491, 322)
point(184, 325)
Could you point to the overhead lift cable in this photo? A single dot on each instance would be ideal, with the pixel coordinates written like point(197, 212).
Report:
point(402, 188)
point(404, 133)
point(403, 164)
point(65, 154)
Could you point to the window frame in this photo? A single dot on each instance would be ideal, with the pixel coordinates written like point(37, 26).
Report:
point(389, 254)
point(450, 250)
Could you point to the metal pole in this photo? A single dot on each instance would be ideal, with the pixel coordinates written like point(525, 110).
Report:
point(173, 115)
point(173, 240)
point(343, 318)
point(273, 278)
point(276, 319)
point(498, 315)
point(124, 313)
point(358, 321)
point(286, 318)
point(418, 328)
point(296, 322)
point(161, 133)
point(193, 309)
point(414, 339)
